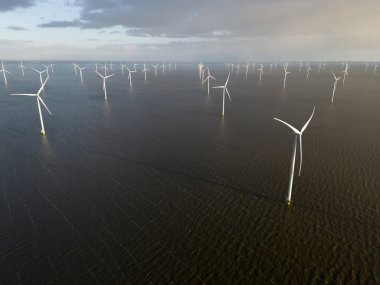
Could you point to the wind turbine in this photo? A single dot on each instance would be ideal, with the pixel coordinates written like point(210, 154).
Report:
point(286, 72)
point(22, 68)
point(80, 72)
point(130, 75)
point(237, 68)
point(38, 103)
point(122, 69)
point(224, 87)
point(163, 68)
point(297, 134)
point(40, 72)
point(3, 70)
point(308, 71)
point(366, 67)
point(261, 71)
point(246, 70)
point(144, 71)
point(335, 82)
point(208, 80)
point(155, 69)
point(105, 69)
point(345, 73)
point(319, 67)
point(104, 83)
point(96, 67)
point(270, 67)
point(374, 70)
point(301, 64)
point(75, 69)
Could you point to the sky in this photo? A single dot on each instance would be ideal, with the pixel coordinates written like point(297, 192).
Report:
point(190, 30)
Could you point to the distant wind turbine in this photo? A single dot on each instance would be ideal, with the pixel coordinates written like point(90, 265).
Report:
point(104, 83)
point(261, 71)
point(4, 71)
point(144, 71)
point(335, 82)
point(308, 71)
point(225, 90)
point(22, 68)
point(374, 70)
point(80, 72)
point(366, 67)
point(208, 80)
point(286, 72)
point(40, 72)
point(38, 103)
point(246, 70)
point(130, 75)
point(155, 66)
point(297, 134)
point(345, 73)
point(270, 67)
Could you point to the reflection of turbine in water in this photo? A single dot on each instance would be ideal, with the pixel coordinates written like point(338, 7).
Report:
point(297, 134)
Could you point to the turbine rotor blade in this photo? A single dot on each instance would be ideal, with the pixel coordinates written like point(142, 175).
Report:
point(228, 93)
point(290, 126)
point(39, 98)
point(308, 121)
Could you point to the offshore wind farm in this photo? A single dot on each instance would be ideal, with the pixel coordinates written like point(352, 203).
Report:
point(165, 161)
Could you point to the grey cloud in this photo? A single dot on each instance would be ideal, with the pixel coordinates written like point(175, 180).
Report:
point(6, 5)
point(224, 18)
point(16, 28)
point(61, 24)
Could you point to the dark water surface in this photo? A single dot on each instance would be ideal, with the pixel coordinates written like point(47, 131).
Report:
point(155, 187)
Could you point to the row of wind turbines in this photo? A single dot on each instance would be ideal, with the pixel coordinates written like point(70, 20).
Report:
point(202, 69)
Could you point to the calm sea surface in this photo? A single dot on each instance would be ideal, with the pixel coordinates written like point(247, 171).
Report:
point(153, 186)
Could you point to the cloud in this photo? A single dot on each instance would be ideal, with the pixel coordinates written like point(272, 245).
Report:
point(16, 28)
point(226, 19)
point(61, 24)
point(6, 5)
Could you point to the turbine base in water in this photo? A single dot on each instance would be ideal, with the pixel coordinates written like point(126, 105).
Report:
point(42, 132)
point(288, 204)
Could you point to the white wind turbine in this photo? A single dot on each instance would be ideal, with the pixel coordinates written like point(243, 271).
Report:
point(208, 80)
point(366, 67)
point(104, 83)
point(335, 82)
point(38, 103)
point(374, 70)
point(301, 64)
point(22, 68)
point(80, 72)
point(175, 67)
point(261, 71)
point(75, 69)
point(145, 71)
point(163, 68)
point(105, 69)
point(297, 134)
point(225, 90)
point(270, 67)
point(319, 67)
point(155, 66)
point(122, 69)
point(345, 73)
point(130, 75)
point(237, 68)
point(4, 71)
point(308, 71)
point(40, 72)
point(286, 72)
point(246, 70)
point(96, 67)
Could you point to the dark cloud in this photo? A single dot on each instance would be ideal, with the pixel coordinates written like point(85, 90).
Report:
point(61, 24)
point(16, 28)
point(6, 5)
